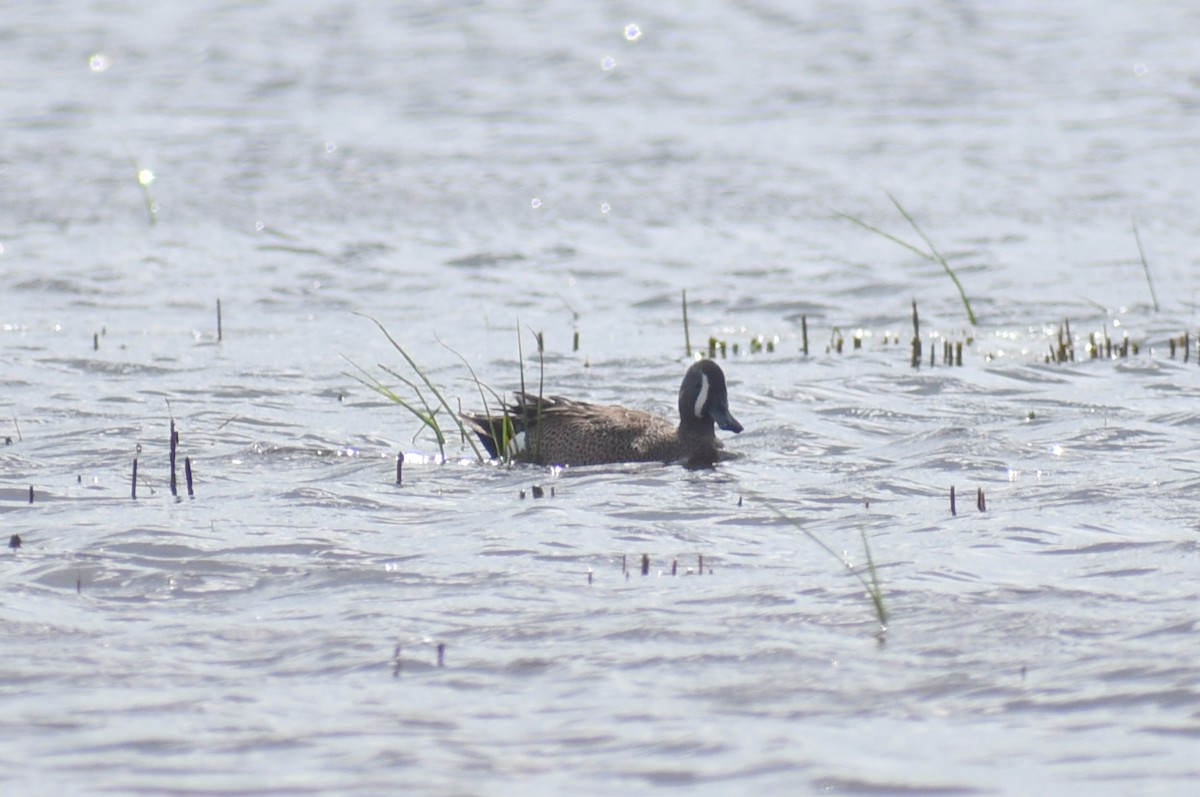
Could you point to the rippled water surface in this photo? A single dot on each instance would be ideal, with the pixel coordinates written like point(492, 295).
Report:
point(473, 176)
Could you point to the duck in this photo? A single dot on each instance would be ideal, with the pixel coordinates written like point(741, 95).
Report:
point(552, 430)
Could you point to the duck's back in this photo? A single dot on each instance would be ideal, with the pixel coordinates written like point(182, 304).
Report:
point(565, 432)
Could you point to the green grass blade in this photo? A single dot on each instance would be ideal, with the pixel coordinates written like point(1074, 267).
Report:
point(420, 372)
point(871, 586)
point(427, 418)
point(469, 436)
point(884, 234)
point(933, 255)
point(938, 257)
point(1145, 265)
point(874, 589)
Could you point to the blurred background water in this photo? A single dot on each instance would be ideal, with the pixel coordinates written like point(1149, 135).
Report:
point(474, 174)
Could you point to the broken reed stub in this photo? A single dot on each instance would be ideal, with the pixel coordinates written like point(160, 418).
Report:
point(536, 491)
point(31, 493)
point(14, 541)
point(399, 467)
point(133, 486)
point(916, 340)
point(645, 564)
point(187, 475)
point(953, 509)
point(174, 447)
point(804, 333)
point(441, 653)
point(980, 502)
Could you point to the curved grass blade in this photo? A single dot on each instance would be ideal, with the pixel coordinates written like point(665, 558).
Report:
point(937, 256)
point(1145, 265)
point(420, 372)
point(933, 255)
point(427, 417)
point(871, 584)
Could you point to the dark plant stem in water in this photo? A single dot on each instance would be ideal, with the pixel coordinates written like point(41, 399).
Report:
point(645, 564)
point(399, 467)
point(174, 444)
point(916, 341)
point(31, 493)
point(804, 332)
point(187, 475)
point(441, 654)
point(980, 502)
point(219, 333)
point(953, 511)
point(133, 487)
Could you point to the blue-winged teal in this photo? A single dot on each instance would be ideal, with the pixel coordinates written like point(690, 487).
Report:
point(565, 432)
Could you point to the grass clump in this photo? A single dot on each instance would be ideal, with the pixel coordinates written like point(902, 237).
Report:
point(424, 409)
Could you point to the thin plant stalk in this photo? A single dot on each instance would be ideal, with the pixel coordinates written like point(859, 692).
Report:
point(1145, 265)
point(427, 417)
point(875, 591)
point(932, 255)
point(501, 435)
point(144, 177)
point(687, 335)
point(871, 584)
point(532, 441)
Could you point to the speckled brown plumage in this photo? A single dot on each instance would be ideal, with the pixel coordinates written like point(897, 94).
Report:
point(560, 431)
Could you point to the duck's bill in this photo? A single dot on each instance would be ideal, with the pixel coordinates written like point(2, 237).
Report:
point(725, 420)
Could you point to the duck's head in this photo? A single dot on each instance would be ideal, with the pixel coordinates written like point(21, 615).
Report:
point(703, 397)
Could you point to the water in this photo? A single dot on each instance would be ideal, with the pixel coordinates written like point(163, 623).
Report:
point(464, 175)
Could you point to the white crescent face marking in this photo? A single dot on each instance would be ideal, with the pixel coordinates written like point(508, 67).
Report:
point(702, 398)
point(516, 445)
